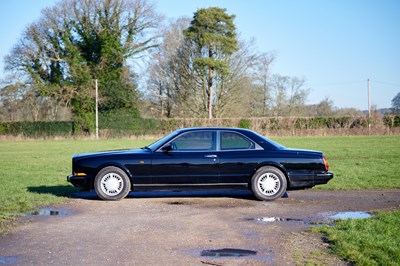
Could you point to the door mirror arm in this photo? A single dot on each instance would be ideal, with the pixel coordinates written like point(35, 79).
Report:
point(167, 148)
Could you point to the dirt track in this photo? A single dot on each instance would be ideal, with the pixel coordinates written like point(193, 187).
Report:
point(174, 228)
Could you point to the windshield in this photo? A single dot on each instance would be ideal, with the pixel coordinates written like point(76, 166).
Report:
point(161, 141)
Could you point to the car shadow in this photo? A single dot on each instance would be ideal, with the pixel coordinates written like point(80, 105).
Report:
point(214, 193)
point(59, 191)
point(71, 192)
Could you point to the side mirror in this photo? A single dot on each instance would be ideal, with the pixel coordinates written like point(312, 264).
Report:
point(167, 148)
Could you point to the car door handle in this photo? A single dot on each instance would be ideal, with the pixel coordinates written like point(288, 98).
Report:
point(211, 156)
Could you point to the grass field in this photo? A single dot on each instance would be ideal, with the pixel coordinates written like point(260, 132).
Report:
point(34, 174)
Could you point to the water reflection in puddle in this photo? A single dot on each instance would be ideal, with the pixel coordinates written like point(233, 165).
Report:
point(318, 219)
point(179, 203)
point(49, 212)
point(8, 260)
point(274, 219)
point(228, 252)
point(350, 215)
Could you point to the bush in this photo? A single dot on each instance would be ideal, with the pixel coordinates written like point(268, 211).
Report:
point(392, 120)
point(245, 123)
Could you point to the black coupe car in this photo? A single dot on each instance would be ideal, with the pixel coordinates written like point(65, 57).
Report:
point(201, 158)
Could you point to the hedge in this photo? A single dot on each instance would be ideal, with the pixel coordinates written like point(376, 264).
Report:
point(37, 128)
point(127, 126)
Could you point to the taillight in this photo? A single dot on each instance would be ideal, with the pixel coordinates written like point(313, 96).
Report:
point(326, 164)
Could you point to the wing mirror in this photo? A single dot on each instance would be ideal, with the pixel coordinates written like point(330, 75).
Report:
point(167, 148)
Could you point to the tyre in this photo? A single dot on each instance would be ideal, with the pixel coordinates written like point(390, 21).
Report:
point(112, 183)
point(268, 183)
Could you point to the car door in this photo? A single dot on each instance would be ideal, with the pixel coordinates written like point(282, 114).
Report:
point(190, 159)
point(238, 156)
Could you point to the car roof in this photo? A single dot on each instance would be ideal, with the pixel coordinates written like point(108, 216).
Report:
point(213, 128)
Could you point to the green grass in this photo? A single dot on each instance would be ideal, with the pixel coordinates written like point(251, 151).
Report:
point(372, 241)
point(33, 173)
point(365, 162)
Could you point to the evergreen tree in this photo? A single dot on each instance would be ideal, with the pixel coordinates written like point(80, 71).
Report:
point(396, 104)
point(212, 33)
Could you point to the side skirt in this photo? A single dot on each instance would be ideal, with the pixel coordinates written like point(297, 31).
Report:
point(160, 187)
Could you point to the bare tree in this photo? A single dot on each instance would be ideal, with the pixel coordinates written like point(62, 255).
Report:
point(20, 102)
point(288, 95)
point(261, 76)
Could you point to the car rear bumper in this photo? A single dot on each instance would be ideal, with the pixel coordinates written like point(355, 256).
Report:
point(300, 180)
point(323, 178)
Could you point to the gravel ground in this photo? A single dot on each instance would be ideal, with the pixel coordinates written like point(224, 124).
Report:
point(186, 228)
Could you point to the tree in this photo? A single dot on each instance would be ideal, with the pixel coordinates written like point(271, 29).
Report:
point(171, 76)
point(75, 42)
point(396, 104)
point(212, 33)
point(233, 88)
point(261, 78)
point(176, 88)
point(288, 96)
point(20, 102)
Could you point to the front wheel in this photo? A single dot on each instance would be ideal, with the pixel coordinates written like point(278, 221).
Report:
point(112, 183)
point(268, 183)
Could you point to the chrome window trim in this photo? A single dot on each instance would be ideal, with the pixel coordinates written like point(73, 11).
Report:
point(218, 134)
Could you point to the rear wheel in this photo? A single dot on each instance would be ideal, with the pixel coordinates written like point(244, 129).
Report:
point(112, 183)
point(268, 183)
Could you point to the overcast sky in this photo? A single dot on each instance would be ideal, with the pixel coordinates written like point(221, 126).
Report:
point(335, 45)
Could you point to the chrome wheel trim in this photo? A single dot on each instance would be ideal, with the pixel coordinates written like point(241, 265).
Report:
point(269, 184)
point(111, 184)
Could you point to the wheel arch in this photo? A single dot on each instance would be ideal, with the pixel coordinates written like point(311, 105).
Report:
point(273, 164)
point(113, 164)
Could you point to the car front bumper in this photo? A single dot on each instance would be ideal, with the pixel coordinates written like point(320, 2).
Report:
point(79, 181)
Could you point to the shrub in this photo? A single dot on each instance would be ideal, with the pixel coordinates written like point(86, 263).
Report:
point(392, 120)
point(245, 123)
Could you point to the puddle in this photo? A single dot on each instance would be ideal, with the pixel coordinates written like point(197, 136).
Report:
point(49, 212)
point(318, 219)
point(8, 260)
point(228, 252)
point(350, 215)
point(274, 219)
point(329, 218)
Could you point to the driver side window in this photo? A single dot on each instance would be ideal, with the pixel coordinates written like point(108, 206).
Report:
point(194, 141)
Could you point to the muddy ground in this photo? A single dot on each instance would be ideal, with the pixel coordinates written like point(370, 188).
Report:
point(186, 228)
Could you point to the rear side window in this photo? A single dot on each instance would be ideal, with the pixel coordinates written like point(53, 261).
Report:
point(235, 141)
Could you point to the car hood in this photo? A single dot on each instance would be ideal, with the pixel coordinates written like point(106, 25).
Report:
point(113, 152)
